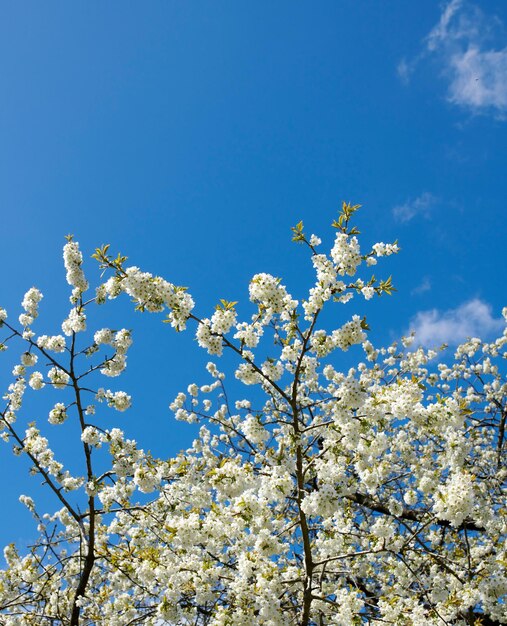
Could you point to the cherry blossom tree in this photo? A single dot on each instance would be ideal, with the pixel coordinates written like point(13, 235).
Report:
point(317, 497)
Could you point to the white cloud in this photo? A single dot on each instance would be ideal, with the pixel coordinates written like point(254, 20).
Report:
point(470, 319)
point(476, 71)
point(421, 205)
point(480, 80)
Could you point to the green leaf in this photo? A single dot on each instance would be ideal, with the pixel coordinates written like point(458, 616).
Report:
point(364, 324)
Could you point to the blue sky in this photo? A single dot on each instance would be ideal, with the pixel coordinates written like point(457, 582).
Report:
point(192, 136)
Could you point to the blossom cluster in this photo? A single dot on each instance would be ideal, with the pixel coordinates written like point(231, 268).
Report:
point(73, 260)
point(120, 341)
point(30, 304)
point(152, 293)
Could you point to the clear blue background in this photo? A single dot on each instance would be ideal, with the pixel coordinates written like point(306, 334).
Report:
point(192, 135)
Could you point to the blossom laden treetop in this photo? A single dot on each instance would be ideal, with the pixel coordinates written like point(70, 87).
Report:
point(323, 498)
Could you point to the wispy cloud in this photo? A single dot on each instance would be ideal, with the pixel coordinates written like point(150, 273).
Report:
point(404, 71)
point(424, 285)
point(422, 205)
point(475, 70)
point(471, 319)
